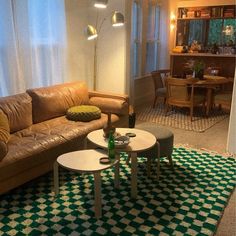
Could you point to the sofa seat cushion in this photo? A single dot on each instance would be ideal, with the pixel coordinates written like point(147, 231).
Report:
point(26, 149)
point(83, 113)
point(46, 140)
point(70, 130)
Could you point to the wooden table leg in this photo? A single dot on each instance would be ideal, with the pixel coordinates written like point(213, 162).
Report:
point(97, 195)
point(149, 162)
point(134, 165)
point(85, 143)
point(209, 101)
point(117, 171)
point(158, 159)
point(56, 178)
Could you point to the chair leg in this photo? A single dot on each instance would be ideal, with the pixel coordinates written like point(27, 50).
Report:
point(155, 100)
point(166, 109)
point(170, 161)
point(191, 113)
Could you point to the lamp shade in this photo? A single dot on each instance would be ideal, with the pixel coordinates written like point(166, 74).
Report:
point(100, 3)
point(91, 32)
point(117, 19)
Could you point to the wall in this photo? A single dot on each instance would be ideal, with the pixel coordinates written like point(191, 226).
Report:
point(164, 35)
point(232, 124)
point(111, 46)
point(79, 63)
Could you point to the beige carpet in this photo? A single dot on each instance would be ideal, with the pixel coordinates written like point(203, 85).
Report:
point(179, 118)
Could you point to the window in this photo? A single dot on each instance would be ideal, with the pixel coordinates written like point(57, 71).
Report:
point(32, 47)
point(46, 21)
point(215, 32)
point(152, 38)
point(196, 31)
point(145, 37)
point(136, 38)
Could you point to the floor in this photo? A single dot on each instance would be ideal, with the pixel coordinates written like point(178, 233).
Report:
point(213, 139)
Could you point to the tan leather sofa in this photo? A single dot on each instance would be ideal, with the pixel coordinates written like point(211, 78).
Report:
point(39, 130)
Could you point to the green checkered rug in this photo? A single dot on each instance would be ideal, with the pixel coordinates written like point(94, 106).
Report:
point(188, 200)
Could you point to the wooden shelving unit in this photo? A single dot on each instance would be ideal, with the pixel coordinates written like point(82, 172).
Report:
point(209, 12)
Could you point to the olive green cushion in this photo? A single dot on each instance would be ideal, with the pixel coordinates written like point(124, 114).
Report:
point(4, 134)
point(83, 113)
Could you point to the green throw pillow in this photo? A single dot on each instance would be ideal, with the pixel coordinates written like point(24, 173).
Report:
point(83, 113)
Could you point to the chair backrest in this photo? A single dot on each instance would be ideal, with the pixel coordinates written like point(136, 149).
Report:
point(177, 90)
point(159, 77)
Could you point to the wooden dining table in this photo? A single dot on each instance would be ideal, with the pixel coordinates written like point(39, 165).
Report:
point(210, 83)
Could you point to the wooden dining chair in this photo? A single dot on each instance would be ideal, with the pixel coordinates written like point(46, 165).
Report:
point(180, 93)
point(159, 77)
point(223, 99)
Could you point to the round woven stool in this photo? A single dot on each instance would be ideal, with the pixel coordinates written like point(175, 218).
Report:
point(162, 148)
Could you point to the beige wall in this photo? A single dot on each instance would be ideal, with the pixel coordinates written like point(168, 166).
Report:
point(111, 46)
point(79, 63)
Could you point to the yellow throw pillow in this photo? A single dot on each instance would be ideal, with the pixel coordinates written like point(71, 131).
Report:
point(4, 134)
point(83, 113)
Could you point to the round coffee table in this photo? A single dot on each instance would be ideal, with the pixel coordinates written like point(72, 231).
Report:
point(142, 141)
point(87, 162)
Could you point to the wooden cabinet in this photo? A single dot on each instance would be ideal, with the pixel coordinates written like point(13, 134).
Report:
point(210, 12)
point(208, 26)
point(225, 63)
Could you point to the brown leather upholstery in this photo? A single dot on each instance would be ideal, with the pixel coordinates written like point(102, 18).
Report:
point(4, 134)
point(53, 101)
point(33, 149)
point(18, 109)
point(110, 104)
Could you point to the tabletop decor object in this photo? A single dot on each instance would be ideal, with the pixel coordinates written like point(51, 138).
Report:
point(109, 127)
point(121, 141)
point(198, 69)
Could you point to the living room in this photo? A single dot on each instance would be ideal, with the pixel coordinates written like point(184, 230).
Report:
point(46, 44)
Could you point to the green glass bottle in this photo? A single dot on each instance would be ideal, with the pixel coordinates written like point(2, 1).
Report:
point(111, 147)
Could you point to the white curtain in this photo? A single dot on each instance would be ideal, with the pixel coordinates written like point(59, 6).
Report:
point(32, 44)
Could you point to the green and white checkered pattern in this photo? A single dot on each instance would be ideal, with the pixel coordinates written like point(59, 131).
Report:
point(188, 200)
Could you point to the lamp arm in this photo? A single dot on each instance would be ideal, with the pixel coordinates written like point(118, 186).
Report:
point(102, 22)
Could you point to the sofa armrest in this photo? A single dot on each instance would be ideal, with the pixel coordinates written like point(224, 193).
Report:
point(108, 102)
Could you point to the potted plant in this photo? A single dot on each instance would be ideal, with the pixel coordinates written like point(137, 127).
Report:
point(198, 69)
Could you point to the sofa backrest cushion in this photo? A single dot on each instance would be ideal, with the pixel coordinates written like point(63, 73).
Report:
point(18, 109)
point(53, 101)
point(4, 134)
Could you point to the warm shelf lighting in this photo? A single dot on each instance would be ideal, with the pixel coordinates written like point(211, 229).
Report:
point(172, 21)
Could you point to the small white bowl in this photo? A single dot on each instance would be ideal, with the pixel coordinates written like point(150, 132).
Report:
point(121, 141)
